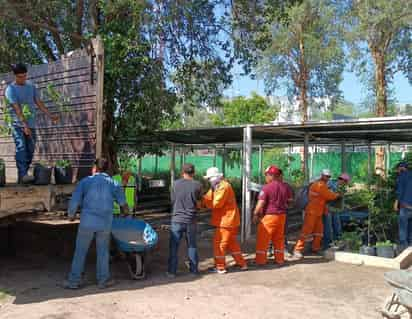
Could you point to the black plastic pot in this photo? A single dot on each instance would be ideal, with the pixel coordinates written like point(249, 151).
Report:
point(2, 173)
point(385, 251)
point(63, 175)
point(42, 175)
point(368, 250)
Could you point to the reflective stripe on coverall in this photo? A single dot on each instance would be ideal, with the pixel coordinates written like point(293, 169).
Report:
point(319, 195)
point(226, 219)
point(271, 228)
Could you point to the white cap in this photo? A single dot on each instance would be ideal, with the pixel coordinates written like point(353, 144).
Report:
point(213, 172)
point(326, 172)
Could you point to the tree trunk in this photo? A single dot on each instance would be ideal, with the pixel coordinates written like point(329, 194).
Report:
point(380, 79)
point(303, 80)
point(381, 107)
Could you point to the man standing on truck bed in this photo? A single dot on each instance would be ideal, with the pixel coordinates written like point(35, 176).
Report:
point(23, 100)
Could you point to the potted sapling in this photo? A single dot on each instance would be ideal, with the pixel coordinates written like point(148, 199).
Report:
point(63, 172)
point(42, 173)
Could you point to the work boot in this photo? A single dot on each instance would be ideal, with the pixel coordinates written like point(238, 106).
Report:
point(297, 255)
point(26, 179)
point(244, 268)
point(106, 284)
point(218, 271)
point(170, 275)
point(68, 285)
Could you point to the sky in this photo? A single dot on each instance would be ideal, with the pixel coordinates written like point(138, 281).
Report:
point(352, 88)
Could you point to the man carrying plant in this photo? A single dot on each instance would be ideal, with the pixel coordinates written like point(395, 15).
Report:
point(95, 196)
point(23, 100)
point(404, 197)
point(226, 218)
point(312, 230)
point(332, 227)
point(186, 197)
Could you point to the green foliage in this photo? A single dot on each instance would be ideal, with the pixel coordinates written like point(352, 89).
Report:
point(2, 164)
point(58, 99)
point(126, 162)
point(352, 240)
point(5, 130)
point(157, 53)
point(27, 114)
point(63, 163)
point(386, 243)
point(379, 36)
point(293, 43)
point(242, 110)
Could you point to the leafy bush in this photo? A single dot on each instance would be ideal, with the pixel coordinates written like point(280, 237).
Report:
point(352, 240)
point(63, 163)
point(386, 243)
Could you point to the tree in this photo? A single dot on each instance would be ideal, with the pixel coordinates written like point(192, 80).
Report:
point(381, 30)
point(299, 45)
point(156, 53)
point(342, 107)
point(241, 110)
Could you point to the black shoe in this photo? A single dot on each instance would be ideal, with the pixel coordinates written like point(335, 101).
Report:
point(27, 179)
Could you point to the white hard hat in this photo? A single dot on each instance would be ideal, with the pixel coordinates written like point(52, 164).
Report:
point(213, 172)
point(326, 172)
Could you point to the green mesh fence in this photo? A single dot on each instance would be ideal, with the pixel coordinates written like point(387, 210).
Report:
point(356, 164)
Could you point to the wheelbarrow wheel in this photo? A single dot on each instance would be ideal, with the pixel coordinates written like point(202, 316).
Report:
point(393, 309)
point(135, 263)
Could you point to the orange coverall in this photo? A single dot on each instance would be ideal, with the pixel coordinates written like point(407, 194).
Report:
point(226, 219)
point(319, 195)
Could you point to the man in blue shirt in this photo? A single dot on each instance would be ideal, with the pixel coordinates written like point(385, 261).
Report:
point(404, 197)
point(95, 196)
point(23, 101)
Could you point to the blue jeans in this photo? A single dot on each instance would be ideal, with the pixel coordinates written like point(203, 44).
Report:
point(405, 227)
point(25, 146)
point(176, 233)
point(332, 228)
point(84, 238)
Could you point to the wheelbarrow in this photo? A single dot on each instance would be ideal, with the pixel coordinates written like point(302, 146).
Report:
point(399, 305)
point(135, 239)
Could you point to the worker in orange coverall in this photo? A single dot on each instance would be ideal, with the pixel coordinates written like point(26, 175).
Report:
point(272, 204)
point(225, 217)
point(319, 195)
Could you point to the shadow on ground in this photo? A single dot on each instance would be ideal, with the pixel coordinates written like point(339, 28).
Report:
point(43, 255)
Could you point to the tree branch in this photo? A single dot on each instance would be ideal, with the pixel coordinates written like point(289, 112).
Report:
point(29, 22)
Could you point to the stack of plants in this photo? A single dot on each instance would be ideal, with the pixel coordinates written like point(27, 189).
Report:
point(377, 235)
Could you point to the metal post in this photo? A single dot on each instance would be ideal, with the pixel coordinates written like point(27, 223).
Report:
point(156, 168)
point(181, 158)
point(305, 158)
point(172, 167)
point(289, 157)
point(215, 157)
point(247, 161)
point(388, 159)
point(369, 162)
point(139, 174)
point(312, 151)
point(343, 165)
point(224, 160)
point(260, 163)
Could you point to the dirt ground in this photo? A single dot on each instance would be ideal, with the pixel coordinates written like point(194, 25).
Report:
point(312, 288)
